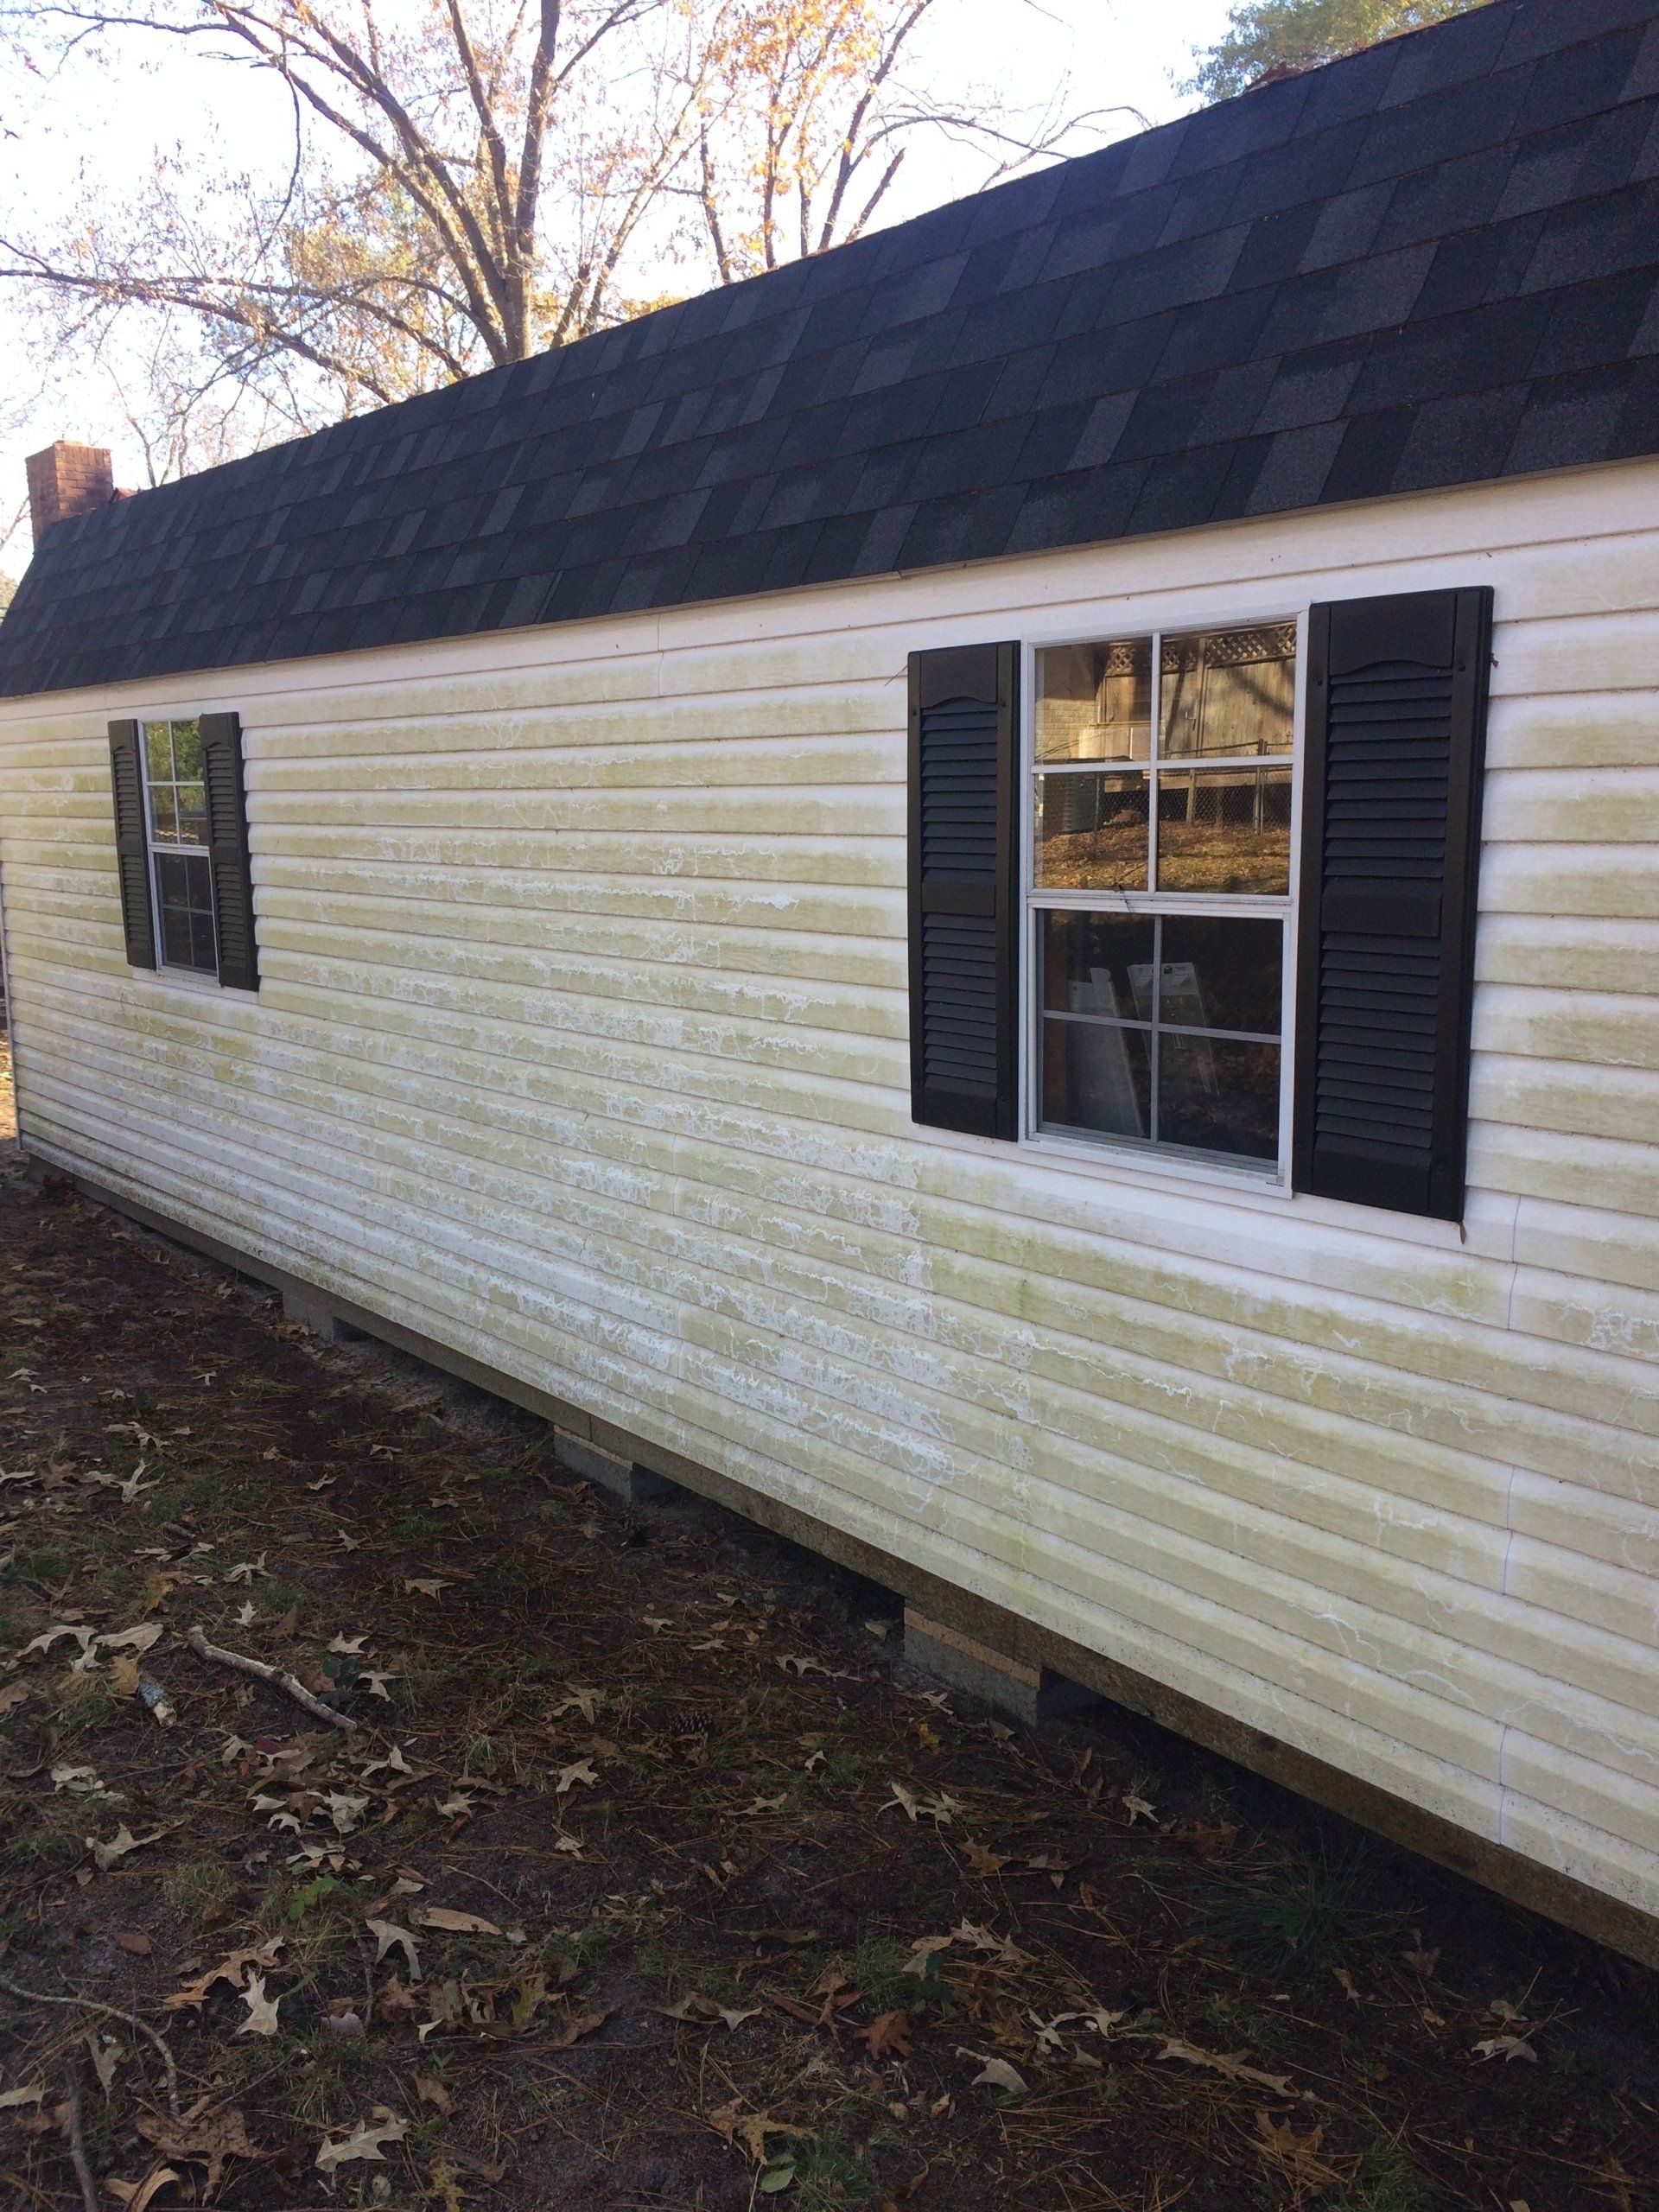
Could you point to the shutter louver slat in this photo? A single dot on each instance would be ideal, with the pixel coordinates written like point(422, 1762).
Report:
point(963, 889)
point(1390, 840)
point(132, 842)
point(227, 848)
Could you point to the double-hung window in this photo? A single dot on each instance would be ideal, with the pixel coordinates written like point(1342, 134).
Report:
point(1160, 889)
point(183, 862)
point(175, 814)
point(1117, 873)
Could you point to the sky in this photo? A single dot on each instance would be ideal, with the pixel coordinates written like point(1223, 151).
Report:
point(1129, 54)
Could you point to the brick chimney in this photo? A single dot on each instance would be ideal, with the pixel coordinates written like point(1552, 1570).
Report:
point(67, 479)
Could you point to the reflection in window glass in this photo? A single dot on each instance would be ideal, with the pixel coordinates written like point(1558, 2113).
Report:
point(1096, 1077)
point(1219, 1094)
point(1221, 971)
point(1094, 702)
point(1227, 693)
point(1091, 831)
point(1162, 1027)
point(176, 797)
point(1098, 964)
point(1224, 830)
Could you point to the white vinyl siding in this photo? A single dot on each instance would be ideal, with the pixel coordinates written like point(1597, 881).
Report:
point(580, 1046)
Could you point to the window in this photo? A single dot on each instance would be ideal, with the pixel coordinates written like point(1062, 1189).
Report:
point(1159, 889)
point(175, 810)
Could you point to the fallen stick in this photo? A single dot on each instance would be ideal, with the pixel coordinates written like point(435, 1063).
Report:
point(77, 2136)
point(114, 2012)
point(263, 1671)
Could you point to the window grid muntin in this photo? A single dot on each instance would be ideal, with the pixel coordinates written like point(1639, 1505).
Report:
point(176, 861)
point(1095, 1146)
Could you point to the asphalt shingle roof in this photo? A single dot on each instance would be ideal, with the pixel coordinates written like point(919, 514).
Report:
point(1433, 264)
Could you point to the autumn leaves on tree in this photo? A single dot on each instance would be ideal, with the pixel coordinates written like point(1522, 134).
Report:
point(468, 181)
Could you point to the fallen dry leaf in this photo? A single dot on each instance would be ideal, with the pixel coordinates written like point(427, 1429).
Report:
point(452, 1923)
point(923, 1952)
point(262, 2010)
point(431, 2091)
point(578, 1771)
point(573, 2029)
point(230, 1968)
point(750, 2129)
point(1297, 2156)
point(105, 1855)
point(138, 2197)
point(1229, 2064)
point(888, 2036)
point(984, 1863)
point(997, 2074)
point(1506, 2048)
point(210, 2140)
point(426, 1586)
point(365, 2141)
point(388, 1936)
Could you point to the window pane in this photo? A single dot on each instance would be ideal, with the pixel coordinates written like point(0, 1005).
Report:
point(192, 813)
point(175, 937)
point(163, 813)
point(186, 752)
point(1228, 691)
point(203, 951)
point(1094, 702)
point(184, 887)
point(1098, 964)
point(1091, 832)
point(158, 753)
point(1096, 1077)
point(1221, 973)
point(1217, 1096)
point(1224, 830)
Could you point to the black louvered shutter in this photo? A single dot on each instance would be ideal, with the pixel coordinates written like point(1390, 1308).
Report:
point(131, 842)
point(227, 848)
point(1396, 723)
point(964, 889)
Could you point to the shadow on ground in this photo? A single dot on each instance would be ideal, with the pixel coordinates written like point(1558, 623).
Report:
point(636, 1880)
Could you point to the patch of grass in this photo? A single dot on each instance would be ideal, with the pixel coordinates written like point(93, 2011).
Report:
point(54, 1837)
point(331, 2070)
point(84, 1705)
point(828, 2173)
point(414, 1525)
point(48, 1563)
point(199, 1889)
point(1388, 2180)
point(1305, 1913)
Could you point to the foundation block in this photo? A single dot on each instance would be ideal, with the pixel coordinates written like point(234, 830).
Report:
point(1012, 1687)
point(311, 1311)
point(624, 1479)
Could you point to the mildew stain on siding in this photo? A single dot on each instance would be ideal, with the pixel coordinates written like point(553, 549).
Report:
point(582, 1046)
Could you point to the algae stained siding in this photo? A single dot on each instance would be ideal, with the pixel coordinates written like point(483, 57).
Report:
point(582, 1046)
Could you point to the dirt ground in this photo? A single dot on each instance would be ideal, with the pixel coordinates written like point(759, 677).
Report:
point(639, 1881)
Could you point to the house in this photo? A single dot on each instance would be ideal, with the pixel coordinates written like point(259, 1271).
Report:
point(994, 897)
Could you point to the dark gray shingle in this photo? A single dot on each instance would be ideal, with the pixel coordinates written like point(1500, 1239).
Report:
point(1433, 264)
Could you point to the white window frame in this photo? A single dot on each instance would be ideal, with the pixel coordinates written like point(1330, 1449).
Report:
point(1119, 1155)
point(158, 848)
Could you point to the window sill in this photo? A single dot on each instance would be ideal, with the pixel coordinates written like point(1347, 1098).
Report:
point(190, 979)
point(1146, 1169)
